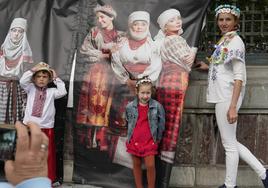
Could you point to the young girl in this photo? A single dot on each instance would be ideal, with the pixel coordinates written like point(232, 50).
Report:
point(146, 123)
point(40, 104)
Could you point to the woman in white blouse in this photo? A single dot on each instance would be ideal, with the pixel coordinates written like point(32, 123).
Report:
point(226, 89)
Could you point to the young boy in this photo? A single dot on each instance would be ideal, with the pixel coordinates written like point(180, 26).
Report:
point(40, 106)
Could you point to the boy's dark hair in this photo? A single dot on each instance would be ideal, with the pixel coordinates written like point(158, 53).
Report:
point(44, 72)
point(50, 83)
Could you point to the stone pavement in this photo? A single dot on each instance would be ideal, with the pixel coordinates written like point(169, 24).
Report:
point(70, 185)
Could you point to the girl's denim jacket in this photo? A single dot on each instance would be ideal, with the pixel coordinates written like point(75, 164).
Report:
point(156, 118)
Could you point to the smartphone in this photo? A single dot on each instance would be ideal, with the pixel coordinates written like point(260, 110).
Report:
point(7, 142)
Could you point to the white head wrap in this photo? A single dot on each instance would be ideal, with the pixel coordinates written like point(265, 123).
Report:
point(19, 22)
point(165, 16)
point(139, 16)
point(15, 54)
point(163, 19)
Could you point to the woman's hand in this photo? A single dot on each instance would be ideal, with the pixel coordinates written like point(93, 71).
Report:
point(201, 65)
point(232, 115)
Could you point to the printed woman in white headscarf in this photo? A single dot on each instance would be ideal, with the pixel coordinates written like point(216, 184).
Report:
point(98, 84)
point(177, 58)
point(136, 58)
point(14, 52)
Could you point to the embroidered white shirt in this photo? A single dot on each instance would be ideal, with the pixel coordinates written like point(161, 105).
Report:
point(222, 75)
point(48, 116)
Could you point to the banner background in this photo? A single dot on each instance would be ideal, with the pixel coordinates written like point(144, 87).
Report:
point(56, 28)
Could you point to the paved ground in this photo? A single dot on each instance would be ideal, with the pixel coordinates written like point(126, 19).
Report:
point(69, 185)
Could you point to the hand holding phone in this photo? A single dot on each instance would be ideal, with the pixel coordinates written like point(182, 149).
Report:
point(31, 154)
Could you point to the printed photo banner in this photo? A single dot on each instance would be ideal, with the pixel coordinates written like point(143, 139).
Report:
point(59, 28)
point(109, 61)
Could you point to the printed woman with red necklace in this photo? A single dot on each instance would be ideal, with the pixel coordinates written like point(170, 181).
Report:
point(226, 89)
point(136, 57)
point(177, 58)
point(98, 84)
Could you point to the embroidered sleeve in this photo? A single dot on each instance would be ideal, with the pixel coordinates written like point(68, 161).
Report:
point(25, 80)
point(177, 50)
point(118, 68)
point(235, 54)
point(235, 51)
point(89, 47)
point(60, 90)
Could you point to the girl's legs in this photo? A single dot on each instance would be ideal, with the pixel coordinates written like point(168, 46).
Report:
point(137, 171)
point(150, 166)
point(233, 149)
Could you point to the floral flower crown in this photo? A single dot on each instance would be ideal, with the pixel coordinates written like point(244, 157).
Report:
point(228, 9)
point(143, 80)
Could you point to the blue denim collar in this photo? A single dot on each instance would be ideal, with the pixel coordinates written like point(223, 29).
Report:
point(152, 104)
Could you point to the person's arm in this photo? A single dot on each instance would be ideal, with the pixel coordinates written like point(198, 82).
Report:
point(239, 78)
point(161, 121)
point(232, 112)
point(117, 65)
point(25, 80)
point(30, 164)
point(60, 90)
point(89, 48)
point(189, 58)
point(6, 185)
point(40, 182)
point(201, 66)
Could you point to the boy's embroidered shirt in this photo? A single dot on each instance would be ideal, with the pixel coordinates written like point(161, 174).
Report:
point(48, 114)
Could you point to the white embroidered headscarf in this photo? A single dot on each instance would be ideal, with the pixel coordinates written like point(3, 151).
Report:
point(15, 54)
point(163, 19)
point(139, 16)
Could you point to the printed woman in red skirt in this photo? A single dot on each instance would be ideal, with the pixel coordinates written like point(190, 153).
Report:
point(177, 58)
point(98, 84)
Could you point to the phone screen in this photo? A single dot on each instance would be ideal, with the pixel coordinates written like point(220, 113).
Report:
point(7, 142)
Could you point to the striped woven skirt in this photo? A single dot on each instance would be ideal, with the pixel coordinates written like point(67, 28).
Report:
point(12, 101)
point(173, 83)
